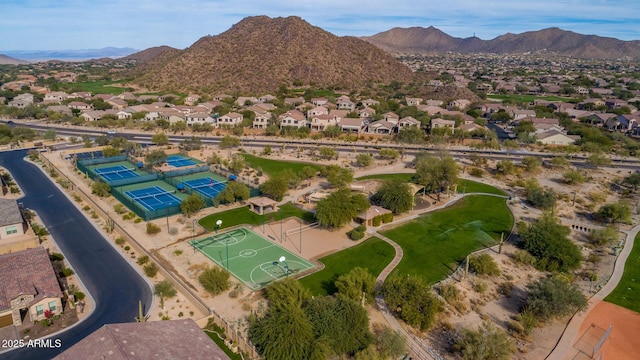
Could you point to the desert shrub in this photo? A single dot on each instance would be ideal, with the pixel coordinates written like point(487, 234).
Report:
point(56, 256)
point(152, 229)
point(355, 234)
point(484, 265)
point(151, 269)
point(523, 257)
point(215, 280)
point(65, 271)
point(387, 218)
point(143, 260)
point(505, 288)
point(79, 295)
point(450, 293)
point(476, 172)
point(120, 241)
point(127, 248)
point(119, 209)
point(376, 221)
point(480, 286)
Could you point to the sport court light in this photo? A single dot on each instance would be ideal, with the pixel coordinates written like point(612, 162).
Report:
point(286, 266)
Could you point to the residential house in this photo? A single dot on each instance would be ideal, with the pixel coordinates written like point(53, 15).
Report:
point(319, 101)
point(554, 137)
point(117, 104)
point(244, 100)
point(461, 104)
point(147, 98)
point(294, 101)
point(575, 114)
point(14, 232)
point(231, 119)
point(292, 118)
point(171, 339)
point(355, 125)
point(518, 114)
point(370, 102)
point(407, 121)
point(124, 115)
point(266, 98)
point(21, 101)
point(391, 117)
point(62, 109)
point(29, 287)
point(261, 120)
point(602, 91)
point(56, 96)
point(413, 101)
point(264, 106)
point(318, 110)
point(78, 105)
point(345, 104)
point(560, 106)
point(85, 95)
point(200, 118)
point(168, 97)
point(599, 119)
point(320, 122)
point(127, 96)
point(366, 112)
point(103, 97)
point(448, 125)
point(221, 97)
point(581, 90)
point(590, 103)
point(95, 115)
point(192, 99)
point(623, 123)
point(381, 127)
point(432, 102)
point(615, 103)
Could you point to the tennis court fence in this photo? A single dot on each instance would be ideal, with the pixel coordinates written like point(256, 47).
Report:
point(140, 210)
point(186, 171)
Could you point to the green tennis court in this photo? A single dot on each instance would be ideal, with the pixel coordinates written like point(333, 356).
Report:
point(249, 257)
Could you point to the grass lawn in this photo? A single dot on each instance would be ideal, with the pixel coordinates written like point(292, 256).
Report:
point(274, 167)
point(627, 293)
point(529, 98)
point(243, 215)
point(468, 185)
point(373, 254)
point(435, 244)
point(223, 346)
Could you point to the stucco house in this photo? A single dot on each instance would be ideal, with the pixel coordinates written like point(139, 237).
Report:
point(381, 127)
point(352, 125)
point(554, 137)
point(408, 121)
point(200, 118)
point(29, 287)
point(293, 118)
point(231, 119)
point(439, 123)
point(56, 96)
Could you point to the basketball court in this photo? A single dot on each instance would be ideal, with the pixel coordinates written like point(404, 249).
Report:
point(249, 257)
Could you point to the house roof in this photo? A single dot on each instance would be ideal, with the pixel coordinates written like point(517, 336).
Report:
point(351, 122)
point(373, 211)
point(27, 272)
point(9, 213)
point(171, 339)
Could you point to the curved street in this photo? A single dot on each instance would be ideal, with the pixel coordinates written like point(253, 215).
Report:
point(116, 287)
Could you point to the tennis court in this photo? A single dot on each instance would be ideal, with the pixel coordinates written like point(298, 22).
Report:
point(116, 172)
point(251, 258)
point(154, 198)
point(180, 161)
point(207, 186)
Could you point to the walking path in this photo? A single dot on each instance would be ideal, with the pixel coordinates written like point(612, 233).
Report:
point(564, 348)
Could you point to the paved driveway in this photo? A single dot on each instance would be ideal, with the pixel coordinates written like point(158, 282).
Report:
point(114, 284)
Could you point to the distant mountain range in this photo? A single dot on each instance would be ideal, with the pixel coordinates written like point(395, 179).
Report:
point(551, 40)
point(8, 60)
point(69, 55)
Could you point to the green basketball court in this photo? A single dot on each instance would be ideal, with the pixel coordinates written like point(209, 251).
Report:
point(249, 257)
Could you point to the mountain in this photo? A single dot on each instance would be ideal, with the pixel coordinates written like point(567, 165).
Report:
point(70, 55)
point(552, 40)
point(259, 54)
point(8, 60)
point(152, 53)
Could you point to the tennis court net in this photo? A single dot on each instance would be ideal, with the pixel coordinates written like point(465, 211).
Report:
point(115, 171)
point(154, 195)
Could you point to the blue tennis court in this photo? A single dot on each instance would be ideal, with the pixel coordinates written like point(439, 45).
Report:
point(154, 198)
point(116, 172)
point(206, 186)
point(179, 161)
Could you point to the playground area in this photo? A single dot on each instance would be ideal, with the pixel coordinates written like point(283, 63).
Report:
point(249, 257)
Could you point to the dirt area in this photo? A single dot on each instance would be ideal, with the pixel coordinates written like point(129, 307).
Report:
point(235, 306)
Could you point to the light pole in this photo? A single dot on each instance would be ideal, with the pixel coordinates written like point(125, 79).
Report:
point(286, 266)
point(218, 225)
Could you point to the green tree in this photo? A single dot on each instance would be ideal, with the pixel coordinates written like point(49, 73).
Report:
point(164, 289)
point(214, 280)
point(484, 265)
point(100, 188)
point(192, 143)
point(615, 212)
point(237, 164)
point(548, 242)
point(356, 283)
point(110, 151)
point(160, 139)
point(283, 334)
point(328, 153)
point(390, 343)
point(572, 177)
point(485, 343)
point(395, 195)
point(191, 205)
point(541, 198)
point(178, 126)
point(340, 207)
point(285, 292)
point(364, 160)
point(632, 180)
point(389, 154)
point(598, 159)
point(436, 173)
point(155, 157)
point(337, 176)
point(505, 167)
point(275, 188)
point(524, 128)
point(229, 141)
point(554, 297)
point(603, 236)
point(332, 131)
point(233, 192)
point(412, 299)
point(50, 134)
point(531, 163)
point(411, 135)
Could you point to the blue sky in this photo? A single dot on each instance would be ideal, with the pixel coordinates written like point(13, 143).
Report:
point(140, 24)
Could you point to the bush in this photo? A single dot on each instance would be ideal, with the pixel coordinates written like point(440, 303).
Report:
point(56, 257)
point(450, 293)
point(150, 270)
point(476, 172)
point(214, 280)
point(505, 288)
point(100, 188)
point(484, 265)
point(120, 241)
point(355, 234)
point(127, 248)
point(480, 287)
point(119, 209)
point(143, 260)
point(152, 229)
point(66, 272)
point(387, 218)
point(79, 295)
point(523, 257)
point(376, 221)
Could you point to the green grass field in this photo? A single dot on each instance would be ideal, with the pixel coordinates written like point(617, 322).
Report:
point(249, 257)
point(243, 215)
point(275, 167)
point(435, 244)
point(372, 254)
point(627, 293)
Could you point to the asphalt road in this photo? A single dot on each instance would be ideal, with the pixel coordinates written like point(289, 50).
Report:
point(114, 284)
